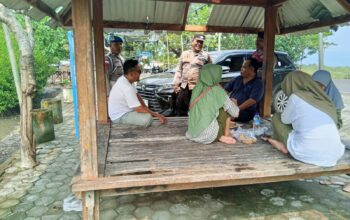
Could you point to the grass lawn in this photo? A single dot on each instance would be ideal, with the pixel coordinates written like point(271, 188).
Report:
point(339, 72)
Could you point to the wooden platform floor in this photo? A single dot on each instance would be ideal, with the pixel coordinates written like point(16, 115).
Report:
point(160, 158)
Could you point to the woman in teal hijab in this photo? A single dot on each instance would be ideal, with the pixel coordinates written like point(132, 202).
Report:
point(210, 109)
point(324, 79)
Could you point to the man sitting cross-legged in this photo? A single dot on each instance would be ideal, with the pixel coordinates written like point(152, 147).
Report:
point(125, 106)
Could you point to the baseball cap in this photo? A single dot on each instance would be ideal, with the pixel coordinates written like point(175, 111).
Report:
point(199, 37)
point(115, 39)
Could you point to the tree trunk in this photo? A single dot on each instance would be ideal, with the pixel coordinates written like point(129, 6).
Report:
point(13, 62)
point(28, 86)
point(29, 30)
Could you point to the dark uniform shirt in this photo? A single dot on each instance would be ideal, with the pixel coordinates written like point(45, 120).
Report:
point(254, 89)
point(115, 69)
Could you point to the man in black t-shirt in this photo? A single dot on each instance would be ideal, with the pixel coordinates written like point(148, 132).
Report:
point(247, 90)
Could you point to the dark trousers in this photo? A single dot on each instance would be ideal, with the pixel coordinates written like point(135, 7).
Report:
point(245, 116)
point(183, 101)
point(222, 118)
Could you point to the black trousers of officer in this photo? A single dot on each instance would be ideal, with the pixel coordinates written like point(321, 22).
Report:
point(183, 101)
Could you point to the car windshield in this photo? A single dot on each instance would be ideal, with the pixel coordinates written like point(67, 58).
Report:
point(214, 56)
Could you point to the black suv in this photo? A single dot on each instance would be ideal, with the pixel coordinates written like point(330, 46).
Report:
point(157, 89)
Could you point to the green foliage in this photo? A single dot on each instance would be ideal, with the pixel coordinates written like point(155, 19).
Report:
point(42, 70)
point(295, 45)
point(199, 14)
point(66, 83)
point(50, 46)
point(50, 43)
point(8, 96)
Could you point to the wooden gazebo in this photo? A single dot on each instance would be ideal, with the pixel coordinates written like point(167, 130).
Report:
point(118, 160)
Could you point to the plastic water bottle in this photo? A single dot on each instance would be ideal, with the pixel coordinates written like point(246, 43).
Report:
point(256, 121)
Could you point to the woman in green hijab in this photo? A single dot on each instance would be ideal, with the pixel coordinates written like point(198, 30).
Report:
point(307, 128)
point(210, 109)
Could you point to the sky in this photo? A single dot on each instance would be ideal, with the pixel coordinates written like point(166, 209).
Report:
point(337, 55)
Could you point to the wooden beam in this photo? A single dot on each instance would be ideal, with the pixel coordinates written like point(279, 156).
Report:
point(85, 85)
point(101, 90)
point(345, 4)
point(43, 7)
point(316, 24)
point(211, 184)
point(268, 62)
point(186, 14)
point(67, 15)
point(275, 2)
point(179, 27)
point(130, 185)
point(257, 3)
point(222, 29)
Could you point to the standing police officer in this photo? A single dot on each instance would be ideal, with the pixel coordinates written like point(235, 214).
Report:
point(187, 72)
point(115, 61)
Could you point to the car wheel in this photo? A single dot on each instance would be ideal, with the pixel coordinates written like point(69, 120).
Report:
point(279, 101)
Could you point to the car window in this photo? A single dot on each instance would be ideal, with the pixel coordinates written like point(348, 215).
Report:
point(283, 61)
point(234, 63)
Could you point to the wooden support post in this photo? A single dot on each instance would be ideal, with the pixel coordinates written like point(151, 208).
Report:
point(268, 63)
point(101, 90)
point(86, 88)
point(91, 203)
point(86, 94)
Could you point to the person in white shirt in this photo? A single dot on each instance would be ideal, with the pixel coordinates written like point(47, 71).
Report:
point(125, 106)
point(307, 128)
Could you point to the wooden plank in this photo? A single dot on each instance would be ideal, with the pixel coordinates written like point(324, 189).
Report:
point(195, 165)
point(345, 4)
point(192, 157)
point(201, 185)
point(208, 178)
point(85, 85)
point(101, 90)
point(103, 137)
point(184, 148)
point(316, 24)
point(173, 130)
point(268, 62)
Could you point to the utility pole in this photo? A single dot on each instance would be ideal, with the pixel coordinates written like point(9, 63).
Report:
point(320, 51)
point(182, 43)
point(167, 48)
point(12, 58)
